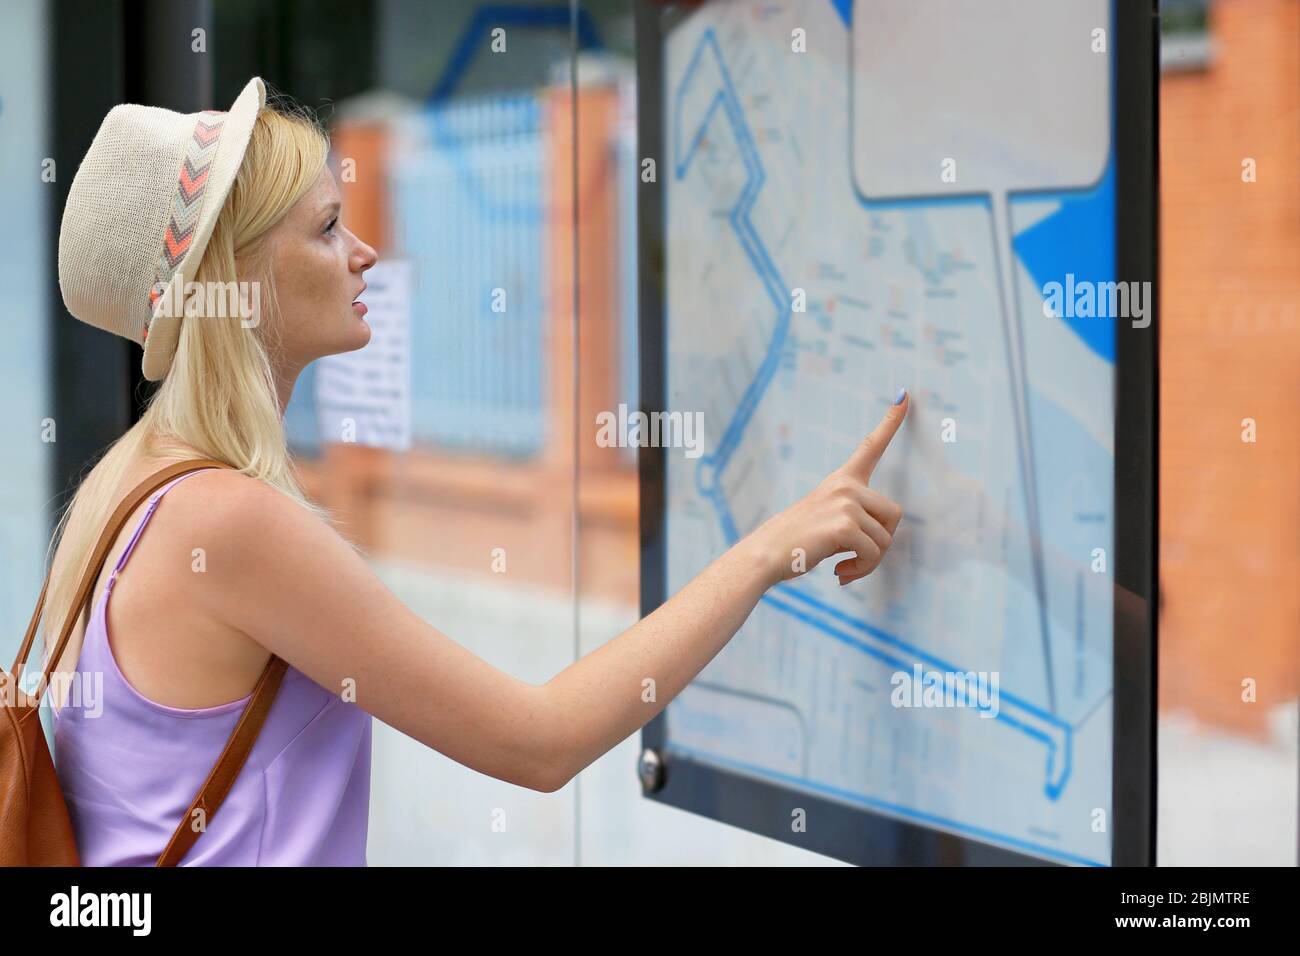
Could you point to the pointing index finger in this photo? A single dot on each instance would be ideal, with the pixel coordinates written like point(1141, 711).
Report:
point(867, 455)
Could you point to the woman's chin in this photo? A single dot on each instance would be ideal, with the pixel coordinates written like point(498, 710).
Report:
point(358, 333)
point(365, 332)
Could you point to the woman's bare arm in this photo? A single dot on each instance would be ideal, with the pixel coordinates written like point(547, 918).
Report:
point(280, 575)
point(609, 694)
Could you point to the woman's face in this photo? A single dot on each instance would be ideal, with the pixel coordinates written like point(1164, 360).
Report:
point(318, 264)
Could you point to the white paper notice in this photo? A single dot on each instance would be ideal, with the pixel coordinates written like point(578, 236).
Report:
point(364, 397)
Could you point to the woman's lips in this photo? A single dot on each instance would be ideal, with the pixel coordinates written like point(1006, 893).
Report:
point(359, 308)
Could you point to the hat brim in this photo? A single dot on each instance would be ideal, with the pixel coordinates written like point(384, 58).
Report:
point(165, 324)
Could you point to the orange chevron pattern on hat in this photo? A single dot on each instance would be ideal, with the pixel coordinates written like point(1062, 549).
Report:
point(188, 205)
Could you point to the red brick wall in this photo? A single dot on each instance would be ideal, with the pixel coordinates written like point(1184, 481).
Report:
point(1230, 350)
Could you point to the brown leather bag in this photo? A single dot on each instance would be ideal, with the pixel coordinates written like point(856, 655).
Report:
point(35, 827)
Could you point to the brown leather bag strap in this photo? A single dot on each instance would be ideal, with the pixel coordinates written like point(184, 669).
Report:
point(228, 765)
point(100, 554)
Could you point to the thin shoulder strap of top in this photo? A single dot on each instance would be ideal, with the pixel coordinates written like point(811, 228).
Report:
point(144, 520)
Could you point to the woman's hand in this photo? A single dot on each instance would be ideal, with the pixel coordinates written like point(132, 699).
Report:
point(840, 514)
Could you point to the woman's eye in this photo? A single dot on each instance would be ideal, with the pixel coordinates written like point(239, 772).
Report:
point(330, 227)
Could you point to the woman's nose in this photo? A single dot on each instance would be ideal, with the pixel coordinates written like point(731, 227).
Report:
point(365, 256)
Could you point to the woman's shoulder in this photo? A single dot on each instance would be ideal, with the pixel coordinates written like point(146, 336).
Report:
point(223, 506)
point(242, 532)
point(254, 520)
point(214, 486)
point(235, 505)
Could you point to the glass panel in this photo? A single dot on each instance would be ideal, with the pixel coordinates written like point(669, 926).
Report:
point(446, 445)
point(28, 428)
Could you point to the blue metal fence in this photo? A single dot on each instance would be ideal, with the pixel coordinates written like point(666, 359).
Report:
point(466, 192)
point(467, 205)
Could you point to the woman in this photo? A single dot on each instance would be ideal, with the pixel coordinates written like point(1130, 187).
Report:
point(236, 565)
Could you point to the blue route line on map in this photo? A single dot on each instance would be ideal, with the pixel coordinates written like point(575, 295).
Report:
point(711, 466)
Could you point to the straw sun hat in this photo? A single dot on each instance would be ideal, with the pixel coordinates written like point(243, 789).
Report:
point(141, 211)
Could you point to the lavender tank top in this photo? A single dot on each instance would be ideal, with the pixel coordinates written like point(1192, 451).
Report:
point(130, 767)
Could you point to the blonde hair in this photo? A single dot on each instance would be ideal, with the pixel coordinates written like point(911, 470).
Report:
point(219, 396)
